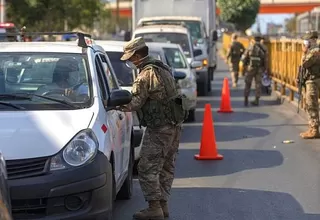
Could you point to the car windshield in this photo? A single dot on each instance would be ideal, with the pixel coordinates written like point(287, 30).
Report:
point(38, 81)
point(9, 34)
point(175, 38)
point(175, 58)
point(122, 71)
point(155, 55)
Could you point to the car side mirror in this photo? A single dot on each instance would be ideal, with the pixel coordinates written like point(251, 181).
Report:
point(179, 75)
point(118, 97)
point(197, 52)
point(195, 64)
point(214, 35)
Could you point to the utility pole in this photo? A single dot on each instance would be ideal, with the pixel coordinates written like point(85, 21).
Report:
point(117, 16)
point(3, 11)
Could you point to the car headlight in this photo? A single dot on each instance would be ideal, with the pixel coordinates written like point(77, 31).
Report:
point(81, 149)
point(185, 83)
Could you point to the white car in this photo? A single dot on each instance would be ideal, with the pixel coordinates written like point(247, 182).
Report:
point(178, 34)
point(172, 55)
point(126, 77)
point(68, 150)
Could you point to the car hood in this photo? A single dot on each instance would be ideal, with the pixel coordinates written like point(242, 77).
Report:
point(31, 134)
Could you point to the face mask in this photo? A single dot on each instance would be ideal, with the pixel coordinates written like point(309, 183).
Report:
point(74, 78)
point(131, 65)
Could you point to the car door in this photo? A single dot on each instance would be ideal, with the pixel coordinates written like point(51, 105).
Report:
point(122, 123)
point(111, 119)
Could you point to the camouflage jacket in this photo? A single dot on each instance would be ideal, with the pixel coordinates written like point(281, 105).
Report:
point(254, 56)
point(235, 51)
point(311, 62)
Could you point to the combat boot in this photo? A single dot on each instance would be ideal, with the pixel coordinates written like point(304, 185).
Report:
point(153, 212)
point(165, 208)
point(255, 102)
point(246, 101)
point(311, 133)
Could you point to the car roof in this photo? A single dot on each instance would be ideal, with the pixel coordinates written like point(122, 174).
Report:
point(162, 45)
point(175, 18)
point(109, 45)
point(162, 28)
point(54, 47)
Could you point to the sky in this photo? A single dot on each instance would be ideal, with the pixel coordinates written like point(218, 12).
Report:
point(264, 19)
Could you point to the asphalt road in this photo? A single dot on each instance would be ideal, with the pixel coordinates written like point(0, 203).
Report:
point(260, 178)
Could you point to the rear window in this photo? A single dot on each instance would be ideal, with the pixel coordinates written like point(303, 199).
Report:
point(122, 71)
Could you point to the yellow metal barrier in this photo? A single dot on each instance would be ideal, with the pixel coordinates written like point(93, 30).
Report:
point(284, 59)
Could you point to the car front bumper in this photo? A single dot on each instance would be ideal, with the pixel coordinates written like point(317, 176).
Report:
point(191, 94)
point(79, 193)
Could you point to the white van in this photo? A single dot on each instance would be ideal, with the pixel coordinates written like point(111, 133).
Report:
point(68, 150)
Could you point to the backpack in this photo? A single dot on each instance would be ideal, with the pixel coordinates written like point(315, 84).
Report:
point(236, 51)
point(256, 55)
point(174, 109)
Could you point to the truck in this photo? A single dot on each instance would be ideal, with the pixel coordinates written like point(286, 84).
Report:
point(198, 15)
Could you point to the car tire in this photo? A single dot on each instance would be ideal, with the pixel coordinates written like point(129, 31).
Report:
point(202, 89)
point(191, 116)
point(125, 192)
point(135, 167)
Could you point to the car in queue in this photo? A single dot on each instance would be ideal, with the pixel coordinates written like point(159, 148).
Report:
point(126, 77)
point(5, 202)
point(173, 56)
point(178, 34)
point(69, 151)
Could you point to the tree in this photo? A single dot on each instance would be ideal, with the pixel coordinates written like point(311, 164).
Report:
point(241, 13)
point(53, 15)
point(291, 24)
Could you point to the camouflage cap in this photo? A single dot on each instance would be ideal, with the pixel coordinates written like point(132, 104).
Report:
point(310, 35)
point(132, 46)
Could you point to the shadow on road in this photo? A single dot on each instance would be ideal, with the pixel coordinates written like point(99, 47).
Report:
point(236, 103)
point(223, 133)
point(234, 161)
point(235, 204)
point(236, 116)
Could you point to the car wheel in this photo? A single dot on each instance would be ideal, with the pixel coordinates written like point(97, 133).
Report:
point(125, 192)
point(202, 89)
point(191, 116)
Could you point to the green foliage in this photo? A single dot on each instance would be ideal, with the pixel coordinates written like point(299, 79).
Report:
point(290, 24)
point(241, 13)
point(53, 15)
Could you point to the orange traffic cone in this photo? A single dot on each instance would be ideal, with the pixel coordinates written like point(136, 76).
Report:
point(208, 147)
point(225, 105)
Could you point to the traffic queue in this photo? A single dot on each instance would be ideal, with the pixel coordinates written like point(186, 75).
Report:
point(68, 151)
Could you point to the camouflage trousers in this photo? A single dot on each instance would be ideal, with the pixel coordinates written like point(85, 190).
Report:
point(312, 106)
point(234, 69)
point(157, 161)
point(256, 74)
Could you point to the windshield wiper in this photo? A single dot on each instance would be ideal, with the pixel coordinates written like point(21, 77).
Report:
point(28, 96)
point(12, 105)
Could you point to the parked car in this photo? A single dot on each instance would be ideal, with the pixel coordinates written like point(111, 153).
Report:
point(173, 56)
point(178, 34)
point(126, 77)
point(69, 152)
point(5, 204)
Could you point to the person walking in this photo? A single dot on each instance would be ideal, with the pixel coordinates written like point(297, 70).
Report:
point(152, 89)
point(311, 63)
point(233, 56)
point(254, 61)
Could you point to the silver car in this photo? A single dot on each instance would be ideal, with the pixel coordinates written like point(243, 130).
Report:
point(173, 56)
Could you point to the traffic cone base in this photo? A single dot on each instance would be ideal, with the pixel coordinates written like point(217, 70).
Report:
point(208, 146)
point(216, 157)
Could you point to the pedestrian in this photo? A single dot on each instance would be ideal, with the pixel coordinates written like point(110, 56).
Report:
point(254, 61)
point(311, 62)
point(233, 56)
point(151, 91)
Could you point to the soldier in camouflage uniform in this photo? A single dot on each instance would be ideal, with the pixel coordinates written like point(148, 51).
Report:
point(311, 62)
point(153, 85)
point(265, 48)
point(254, 61)
point(234, 55)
